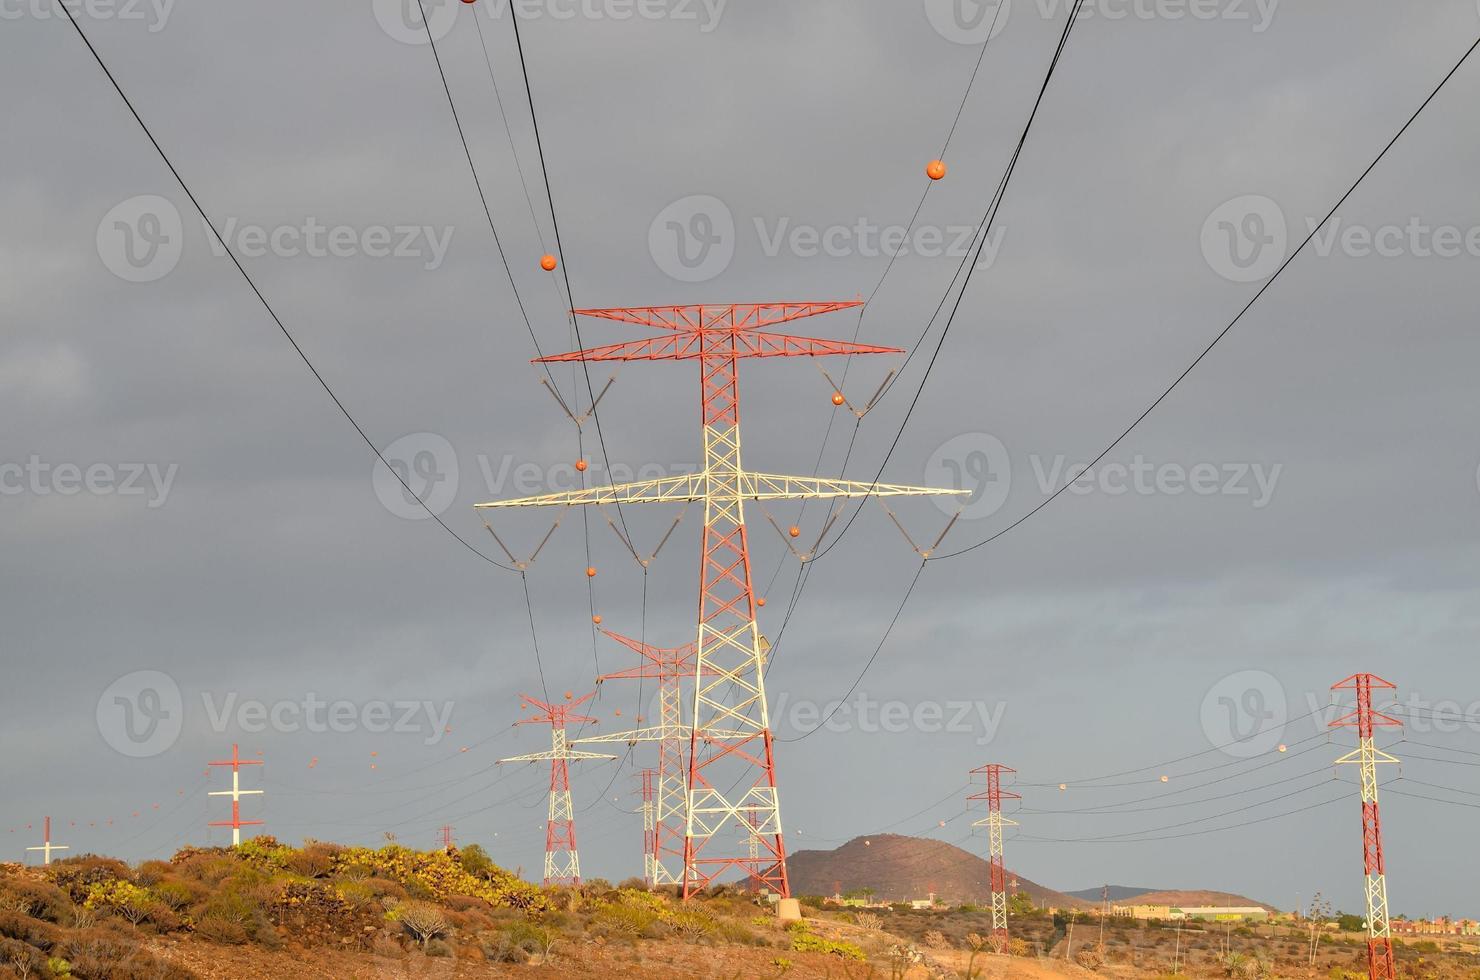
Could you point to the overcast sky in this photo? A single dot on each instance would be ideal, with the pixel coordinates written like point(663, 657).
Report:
point(183, 499)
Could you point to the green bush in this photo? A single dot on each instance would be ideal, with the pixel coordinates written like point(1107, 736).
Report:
point(806, 942)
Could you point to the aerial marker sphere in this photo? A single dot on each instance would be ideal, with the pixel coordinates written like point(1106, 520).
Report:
point(596, 619)
point(619, 712)
point(1063, 786)
point(942, 823)
point(591, 571)
point(795, 531)
point(581, 466)
point(1164, 779)
point(568, 695)
point(1283, 747)
point(935, 169)
point(838, 398)
point(548, 263)
point(760, 601)
point(463, 749)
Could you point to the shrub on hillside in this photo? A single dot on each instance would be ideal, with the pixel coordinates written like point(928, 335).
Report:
point(439, 874)
point(38, 899)
point(77, 875)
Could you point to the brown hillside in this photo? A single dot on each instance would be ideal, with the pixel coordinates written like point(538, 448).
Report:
point(901, 868)
point(1193, 897)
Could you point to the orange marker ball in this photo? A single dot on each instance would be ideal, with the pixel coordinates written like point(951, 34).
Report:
point(760, 601)
point(935, 169)
point(596, 620)
point(548, 263)
point(1164, 779)
point(795, 531)
point(568, 695)
point(838, 398)
point(580, 466)
point(591, 571)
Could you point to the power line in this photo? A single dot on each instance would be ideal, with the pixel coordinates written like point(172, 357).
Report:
point(231, 254)
point(1232, 323)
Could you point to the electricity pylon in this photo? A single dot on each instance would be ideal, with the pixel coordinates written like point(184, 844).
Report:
point(47, 846)
point(562, 860)
point(649, 829)
point(236, 823)
point(1380, 965)
point(994, 821)
point(667, 667)
point(731, 759)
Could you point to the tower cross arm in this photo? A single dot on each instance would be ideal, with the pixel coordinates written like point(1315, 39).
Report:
point(748, 486)
point(691, 346)
point(739, 316)
point(568, 755)
point(650, 733)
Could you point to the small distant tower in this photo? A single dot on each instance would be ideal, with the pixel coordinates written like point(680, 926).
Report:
point(649, 829)
point(47, 846)
point(447, 842)
point(236, 823)
point(667, 666)
point(562, 861)
point(994, 822)
point(1380, 965)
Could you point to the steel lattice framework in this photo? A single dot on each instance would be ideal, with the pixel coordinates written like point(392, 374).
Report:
point(236, 823)
point(562, 860)
point(649, 829)
point(1380, 965)
point(47, 846)
point(994, 821)
point(668, 666)
point(732, 772)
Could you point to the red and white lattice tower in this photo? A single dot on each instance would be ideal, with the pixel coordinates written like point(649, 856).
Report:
point(46, 845)
point(668, 667)
point(562, 860)
point(994, 821)
point(649, 828)
point(236, 823)
point(732, 769)
point(445, 835)
point(1380, 965)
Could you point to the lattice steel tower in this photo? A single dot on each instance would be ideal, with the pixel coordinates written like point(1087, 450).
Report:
point(562, 860)
point(732, 771)
point(1380, 965)
point(994, 821)
point(668, 667)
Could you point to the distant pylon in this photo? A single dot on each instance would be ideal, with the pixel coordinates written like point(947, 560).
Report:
point(649, 829)
point(446, 835)
point(1380, 965)
point(732, 768)
point(236, 823)
point(47, 846)
point(668, 667)
point(994, 821)
point(562, 860)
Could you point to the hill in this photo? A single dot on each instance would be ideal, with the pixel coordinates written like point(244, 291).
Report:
point(901, 868)
point(1126, 894)
point(1118, 893)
